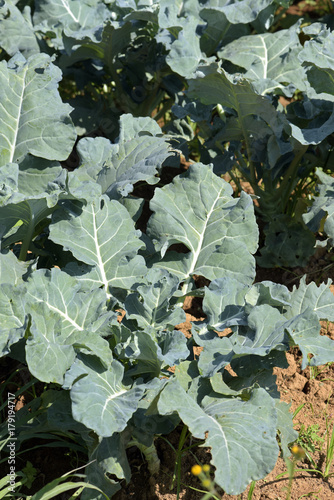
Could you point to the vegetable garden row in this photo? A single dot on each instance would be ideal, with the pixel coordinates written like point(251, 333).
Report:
point(119, 120)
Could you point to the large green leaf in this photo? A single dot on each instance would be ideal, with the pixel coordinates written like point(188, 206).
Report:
point(219, 231)
point(29, 213)
point(103, 236)
point(37, 175)
point(68, 12)
point(109, 457)
point(173, 347)
point(27, 199)
point(59, 414)
point(223, 305)
point(317, 298)
point(217, 354)
point(267, 292)
point(99, 399)
point(97, 477)
point(231, 21)
point(64, 319)
point(60, 293)
point(151, 351)
point(270, 59)
point(13, 318)
point(317, 58)
point(77, 18)
point(9, 175)
point(150, 305)
point(16, 31)
point(34, 119)
point(170, 14)
point(104, 44)
point(256, 371)
point(219, 30)
point(311, 121)
point(287, 243)
point(11, 269)
point(241, 434)
point(138, 156)
point(142, 351)
point(251, 312)
point(304, 331)
point(263, 333)
point(244, 11)
point(185, 52)
point(214, 86)
point(285, 426)
point(35, 178)
point(323, 206)
point(48, 352)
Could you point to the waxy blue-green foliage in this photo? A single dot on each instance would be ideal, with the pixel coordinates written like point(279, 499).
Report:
point(59, 311)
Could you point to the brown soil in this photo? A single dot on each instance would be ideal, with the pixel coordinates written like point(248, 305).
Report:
point(312, 9)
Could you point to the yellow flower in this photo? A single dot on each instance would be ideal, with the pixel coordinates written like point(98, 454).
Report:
point(206, 483)
point(297, 452)
point(196, 470)
point(206, 468)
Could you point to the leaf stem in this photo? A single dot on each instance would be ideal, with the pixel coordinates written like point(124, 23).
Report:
point(284, 191)
point(250, 163)
point(243, 168)
point(185, 287)
point(27, 240)
point(329, 451)
point(291, 478)
point(167, 104)
point(150, 454)
point(236, 182)
point(182, 440)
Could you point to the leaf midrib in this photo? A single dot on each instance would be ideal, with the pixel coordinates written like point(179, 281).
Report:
point(17, 120)
point(202, 234)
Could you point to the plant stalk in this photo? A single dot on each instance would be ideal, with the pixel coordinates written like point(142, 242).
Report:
point(182, 440)
point(284, 191)
point(330, 450)
point(243, 169)
point(26, 241)
point(166, 107)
